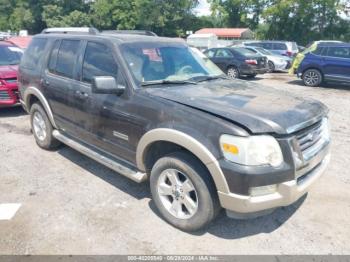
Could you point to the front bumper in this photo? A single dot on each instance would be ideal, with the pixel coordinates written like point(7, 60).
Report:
point(286, 194)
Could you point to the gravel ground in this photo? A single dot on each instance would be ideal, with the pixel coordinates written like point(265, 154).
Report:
point(73, 205)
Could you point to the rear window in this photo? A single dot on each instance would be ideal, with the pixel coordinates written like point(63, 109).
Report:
point(66, 58)
point(243, 51)
point(279, 46)
point(34, 53)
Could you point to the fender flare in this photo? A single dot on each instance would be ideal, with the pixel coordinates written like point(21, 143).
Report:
point(185, 141)
point(33, 91)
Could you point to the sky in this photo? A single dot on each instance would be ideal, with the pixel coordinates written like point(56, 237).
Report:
point(203, 8)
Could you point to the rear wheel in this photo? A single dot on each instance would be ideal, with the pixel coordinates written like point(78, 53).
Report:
point(183, 192)
point(232, 72)
point(42, 128)
point(312, 77)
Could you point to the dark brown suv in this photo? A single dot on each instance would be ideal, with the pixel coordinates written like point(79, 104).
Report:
point(152, 108)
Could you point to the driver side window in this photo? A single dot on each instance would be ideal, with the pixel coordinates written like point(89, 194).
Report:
point(98, 61)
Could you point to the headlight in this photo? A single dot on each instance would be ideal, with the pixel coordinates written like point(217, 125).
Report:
point(251, 151)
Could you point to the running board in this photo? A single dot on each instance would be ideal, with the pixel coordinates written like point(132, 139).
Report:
point(106, 161)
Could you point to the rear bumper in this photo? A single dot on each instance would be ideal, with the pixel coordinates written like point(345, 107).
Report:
point(286, 194)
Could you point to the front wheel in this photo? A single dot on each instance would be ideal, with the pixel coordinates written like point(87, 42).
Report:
point(271, 67)
point(183, 192)
point(312, 77)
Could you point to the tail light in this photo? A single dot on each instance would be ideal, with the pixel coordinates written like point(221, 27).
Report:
point(251, 62)
point(289, 53)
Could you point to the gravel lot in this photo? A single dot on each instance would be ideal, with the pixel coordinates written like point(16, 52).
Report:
point(73, 205)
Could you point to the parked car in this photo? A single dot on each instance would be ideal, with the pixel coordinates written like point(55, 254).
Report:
point(10, 56)
point(152, 110)
point(275, 62)
point(327, 62)
point(237, 61)
point(284, 48)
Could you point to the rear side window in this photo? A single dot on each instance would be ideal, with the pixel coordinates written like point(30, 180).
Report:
point(210, 53)
point(343, 52)
point(267, 46)
point(318, 51)
point(279, 46)
point(98, 61)
point(34, 53)
point(66, 58)
point(223, 53)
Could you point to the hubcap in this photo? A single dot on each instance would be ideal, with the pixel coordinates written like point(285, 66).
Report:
point(232, 73)
point(311, 78)
point(177, 194)
point(39, 126)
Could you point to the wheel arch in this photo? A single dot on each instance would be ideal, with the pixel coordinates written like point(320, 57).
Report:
point(32, 94)
point(182, 140)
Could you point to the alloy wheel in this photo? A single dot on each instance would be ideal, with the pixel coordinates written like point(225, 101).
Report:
point(39, 126)
point(177, 194)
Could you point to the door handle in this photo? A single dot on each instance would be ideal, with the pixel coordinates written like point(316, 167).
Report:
point(81, 95)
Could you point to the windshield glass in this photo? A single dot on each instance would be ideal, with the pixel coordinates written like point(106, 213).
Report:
point(263, 51)
point(10, 55)
point(167, 62)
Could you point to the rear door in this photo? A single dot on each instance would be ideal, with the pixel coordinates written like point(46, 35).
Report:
point(223, 58)
point(58, 81)
point(337, 63)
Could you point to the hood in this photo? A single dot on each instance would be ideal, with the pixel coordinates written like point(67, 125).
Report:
point(258, 108)
point(8, 71)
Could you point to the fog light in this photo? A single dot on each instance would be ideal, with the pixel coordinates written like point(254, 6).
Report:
point(263, 190)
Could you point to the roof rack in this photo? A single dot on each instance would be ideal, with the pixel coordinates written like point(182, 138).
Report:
point(71, 30)
point(130, 32)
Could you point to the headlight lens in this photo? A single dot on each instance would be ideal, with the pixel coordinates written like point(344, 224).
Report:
point(251, 151)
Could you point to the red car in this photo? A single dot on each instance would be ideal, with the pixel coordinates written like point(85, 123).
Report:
point(10, 56)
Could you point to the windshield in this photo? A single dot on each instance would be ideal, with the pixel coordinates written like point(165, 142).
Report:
point(263, 51)
point(10, 55)
point(158, 62)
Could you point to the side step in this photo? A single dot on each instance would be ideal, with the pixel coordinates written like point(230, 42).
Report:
point(104, 160)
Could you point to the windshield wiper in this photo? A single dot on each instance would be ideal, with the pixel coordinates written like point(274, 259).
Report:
point(164, 82)
point(208, 78)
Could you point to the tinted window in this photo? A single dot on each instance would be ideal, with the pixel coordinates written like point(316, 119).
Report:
point(210, 53)
point(98, 61)
point(34, 53)
point(223, 53)
point(343, 52)
point(318, 51)
point(279, 46)
point(254, 44)
point(243, 51)
point(66, 57)
point(267, 46)
point(53, 57)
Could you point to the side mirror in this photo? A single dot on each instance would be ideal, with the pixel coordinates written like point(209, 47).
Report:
point(106, 85)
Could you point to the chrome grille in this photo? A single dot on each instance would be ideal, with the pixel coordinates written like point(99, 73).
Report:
point(313, 139)
point(4, 95)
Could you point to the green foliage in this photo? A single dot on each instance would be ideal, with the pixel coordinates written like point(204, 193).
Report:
point(298, 20)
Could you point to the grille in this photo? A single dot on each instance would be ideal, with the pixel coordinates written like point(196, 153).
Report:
point(312, 139)
point(4, 95)
point(11, 80)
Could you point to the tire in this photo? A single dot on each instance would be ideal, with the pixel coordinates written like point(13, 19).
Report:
point(312, 77)
point(271, 67)
point(42, 128)
point(233, 72)
point(188, 175)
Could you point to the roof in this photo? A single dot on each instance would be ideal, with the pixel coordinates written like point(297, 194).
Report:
point(20, 41)
point(337, 44)
point(224, 32)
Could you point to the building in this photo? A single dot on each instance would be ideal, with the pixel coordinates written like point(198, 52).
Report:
point(228, 33)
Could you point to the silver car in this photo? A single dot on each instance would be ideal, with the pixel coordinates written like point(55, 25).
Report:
point(275, 62)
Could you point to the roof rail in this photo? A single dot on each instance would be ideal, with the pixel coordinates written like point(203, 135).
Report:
point(71, 30)
point(130, 32)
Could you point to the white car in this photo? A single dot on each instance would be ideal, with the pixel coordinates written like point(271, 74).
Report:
point(275, 62)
